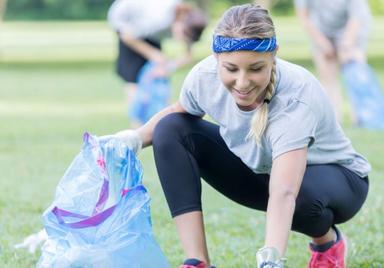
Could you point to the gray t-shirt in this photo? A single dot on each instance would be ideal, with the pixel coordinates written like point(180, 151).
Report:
point(300, 115)
point(331, 17)
point(143, 18)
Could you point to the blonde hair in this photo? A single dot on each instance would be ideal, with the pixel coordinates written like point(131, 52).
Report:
point(251, 21)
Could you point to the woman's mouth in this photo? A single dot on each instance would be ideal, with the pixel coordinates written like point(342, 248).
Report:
point(243, 93)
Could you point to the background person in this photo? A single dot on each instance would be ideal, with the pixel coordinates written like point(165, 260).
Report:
point(275, 146)
point(141, 25)
point(339, 33)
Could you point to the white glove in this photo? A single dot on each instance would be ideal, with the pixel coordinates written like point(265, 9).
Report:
point(268, 257)
point(33, 241)
point(131, 138)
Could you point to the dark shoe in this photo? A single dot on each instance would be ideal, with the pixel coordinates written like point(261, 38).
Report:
point(194, 263)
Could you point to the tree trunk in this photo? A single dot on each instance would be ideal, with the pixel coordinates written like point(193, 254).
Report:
point(203, 5)
point(3, 4)
point(267, 4)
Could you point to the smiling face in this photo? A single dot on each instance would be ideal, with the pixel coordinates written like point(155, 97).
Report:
point(246, 74)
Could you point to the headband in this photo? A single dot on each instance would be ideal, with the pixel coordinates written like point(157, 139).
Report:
point(230, 44)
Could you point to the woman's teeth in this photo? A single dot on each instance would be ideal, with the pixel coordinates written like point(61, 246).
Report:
point(244, 93)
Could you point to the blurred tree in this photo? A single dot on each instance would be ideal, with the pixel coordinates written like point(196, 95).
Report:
point(57, 9)
point(264, 3)
point(203, 4)
point(3, 6)
point(97, 9)
point(377, 6)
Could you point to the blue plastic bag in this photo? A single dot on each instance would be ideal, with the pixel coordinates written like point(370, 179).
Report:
point(100, 216)
point(152, 94)
point(366, 95)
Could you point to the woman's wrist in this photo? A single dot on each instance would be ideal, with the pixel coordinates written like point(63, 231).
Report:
point(131, 138)
point(171, 66)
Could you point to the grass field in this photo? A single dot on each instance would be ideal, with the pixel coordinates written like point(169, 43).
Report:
point(57, 81)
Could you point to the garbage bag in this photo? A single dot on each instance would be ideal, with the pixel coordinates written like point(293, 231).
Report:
point(152, 95)
point(100, 216)
point(365, 94)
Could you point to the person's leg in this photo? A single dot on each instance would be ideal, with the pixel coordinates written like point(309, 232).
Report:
point(129, 64)
point(355, 53)
point(190, 227)
point(127, 67)
point(187, 148)
point(328, 70)
point(329, 195)
point(130, 91)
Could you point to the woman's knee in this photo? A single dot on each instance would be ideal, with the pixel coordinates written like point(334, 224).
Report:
point(312, 216)
point(312, 227)
point(169, 128)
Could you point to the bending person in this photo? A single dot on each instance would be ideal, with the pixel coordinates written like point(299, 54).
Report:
point(339, 34)
point(141, 25)
point(274, 145)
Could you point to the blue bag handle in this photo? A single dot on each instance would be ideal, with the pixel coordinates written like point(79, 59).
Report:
point(88, 221)
point(98, 215)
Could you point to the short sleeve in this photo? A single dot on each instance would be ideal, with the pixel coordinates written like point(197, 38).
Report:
point(121, 15)
point(189, 95)
point(292, 129)
point(359, 9)
point(142, 18)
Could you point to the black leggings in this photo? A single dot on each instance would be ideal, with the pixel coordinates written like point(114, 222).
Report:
point(187, 147)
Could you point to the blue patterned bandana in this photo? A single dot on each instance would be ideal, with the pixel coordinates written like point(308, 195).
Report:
point(230, 44)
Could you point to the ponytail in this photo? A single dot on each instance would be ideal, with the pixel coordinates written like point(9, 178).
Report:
point(259, 120)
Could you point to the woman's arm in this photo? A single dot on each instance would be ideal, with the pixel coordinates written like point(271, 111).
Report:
point(142, 137)
point(143, 48)
point(121, 17)
point(359, 19)
point(351, 31)
point(347, 48)
point(146, 131)
point(320, 40)
point(285, 181)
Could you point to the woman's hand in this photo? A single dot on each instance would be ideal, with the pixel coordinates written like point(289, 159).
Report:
point(163, 69)
point(326, 47)
point(268, 257)
point(131, 138)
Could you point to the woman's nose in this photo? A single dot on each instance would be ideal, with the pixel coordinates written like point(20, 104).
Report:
point(242, 82)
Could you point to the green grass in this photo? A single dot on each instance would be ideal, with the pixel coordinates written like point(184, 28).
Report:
point(57, 81)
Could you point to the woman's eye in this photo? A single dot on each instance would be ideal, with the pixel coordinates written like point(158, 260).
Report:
point(232, 70)
point(256, 69)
